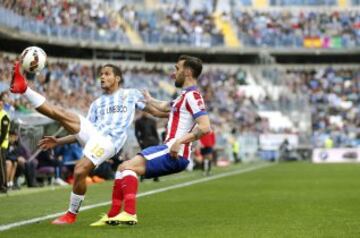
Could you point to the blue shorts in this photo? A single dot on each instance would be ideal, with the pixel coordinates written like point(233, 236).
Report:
point(159, 162)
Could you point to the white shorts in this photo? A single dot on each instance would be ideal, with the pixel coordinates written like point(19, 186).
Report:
point(97, 147)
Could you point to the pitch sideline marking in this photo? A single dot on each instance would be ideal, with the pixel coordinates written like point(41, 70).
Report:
point(151, 192)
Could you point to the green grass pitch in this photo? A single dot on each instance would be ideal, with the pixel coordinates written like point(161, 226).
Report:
point(283, 200)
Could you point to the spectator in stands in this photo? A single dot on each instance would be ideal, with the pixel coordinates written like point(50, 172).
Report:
point(329, 143)
point(7, 103)
point(146, 133)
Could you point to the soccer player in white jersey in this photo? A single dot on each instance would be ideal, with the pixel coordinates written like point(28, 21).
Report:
point(102, 133)
point(188, 121)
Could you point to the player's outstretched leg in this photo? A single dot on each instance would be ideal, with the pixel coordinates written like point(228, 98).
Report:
point(70, 121)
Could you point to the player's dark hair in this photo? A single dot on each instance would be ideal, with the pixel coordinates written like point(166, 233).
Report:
point(195, 64)
point(116, 70)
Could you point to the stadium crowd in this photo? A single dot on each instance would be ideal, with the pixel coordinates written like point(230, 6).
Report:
point(75, 19)
point(334, 98)
point(180, 24)
point(100, 20)
point(332, 93)
point(297, 29)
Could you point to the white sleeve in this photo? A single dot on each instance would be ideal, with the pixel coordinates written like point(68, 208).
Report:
point(195, 104)
point(139, 100)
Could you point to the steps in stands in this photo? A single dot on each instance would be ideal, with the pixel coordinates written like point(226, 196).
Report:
point(228, 30)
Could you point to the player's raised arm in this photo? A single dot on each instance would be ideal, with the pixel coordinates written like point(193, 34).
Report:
point(155, 112)
point(162, 106)
point(144, 104)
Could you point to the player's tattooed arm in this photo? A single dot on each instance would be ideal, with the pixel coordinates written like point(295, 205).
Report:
point(197, 132)
point(202, 128)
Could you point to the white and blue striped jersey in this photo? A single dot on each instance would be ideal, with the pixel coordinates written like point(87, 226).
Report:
point(113, 114)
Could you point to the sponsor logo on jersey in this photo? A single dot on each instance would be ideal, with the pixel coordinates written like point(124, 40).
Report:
point(114, 109)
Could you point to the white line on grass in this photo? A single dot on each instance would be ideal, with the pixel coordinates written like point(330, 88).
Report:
point(151, 192)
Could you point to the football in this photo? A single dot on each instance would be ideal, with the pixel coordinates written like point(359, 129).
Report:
point(33, 59)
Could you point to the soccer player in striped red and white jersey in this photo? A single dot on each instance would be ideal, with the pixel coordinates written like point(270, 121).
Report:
point(188, 121)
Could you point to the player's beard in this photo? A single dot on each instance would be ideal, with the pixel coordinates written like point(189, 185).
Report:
point(179, 80)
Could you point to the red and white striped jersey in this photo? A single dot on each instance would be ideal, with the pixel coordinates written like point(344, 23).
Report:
point(184, 110)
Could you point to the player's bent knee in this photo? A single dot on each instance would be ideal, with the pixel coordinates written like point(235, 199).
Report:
point(131, 164)
point(136, 164)
point(123, 166)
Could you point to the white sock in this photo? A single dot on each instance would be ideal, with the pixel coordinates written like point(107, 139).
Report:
point(118, 175)
point(128, 173)
point(75, 202)
point(34, 98)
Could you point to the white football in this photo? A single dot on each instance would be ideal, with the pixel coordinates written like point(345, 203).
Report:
point(33, 59)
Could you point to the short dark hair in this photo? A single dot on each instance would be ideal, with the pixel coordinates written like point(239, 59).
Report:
point(195, 64)
point(116, 70)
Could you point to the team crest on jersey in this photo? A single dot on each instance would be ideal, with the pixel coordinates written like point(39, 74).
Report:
point(201, 104)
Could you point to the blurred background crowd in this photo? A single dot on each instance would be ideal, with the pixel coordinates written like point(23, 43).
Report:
point(331, 93)
point(190, 23)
